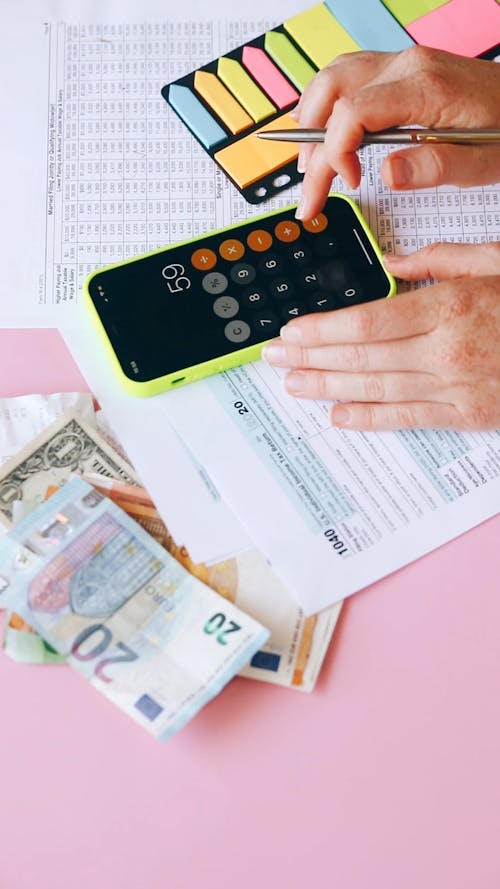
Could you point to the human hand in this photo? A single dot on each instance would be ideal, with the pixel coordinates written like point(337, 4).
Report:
point(428, 358)
point(373, 91)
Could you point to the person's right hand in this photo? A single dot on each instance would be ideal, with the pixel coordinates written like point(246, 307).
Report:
point(370, 91)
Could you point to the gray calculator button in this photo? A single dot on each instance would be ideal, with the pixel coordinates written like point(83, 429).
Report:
point(237, 331)
point(214, 282)
point(226, 306)
point(242, 273)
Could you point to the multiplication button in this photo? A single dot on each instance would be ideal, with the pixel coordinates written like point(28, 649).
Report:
point(226, 306)
point(237, 331)
point(214, 282)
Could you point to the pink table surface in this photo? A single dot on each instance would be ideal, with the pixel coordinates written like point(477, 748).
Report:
point(386, 777)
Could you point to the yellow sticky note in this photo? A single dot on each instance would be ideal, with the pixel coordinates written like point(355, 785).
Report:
point(320, 35)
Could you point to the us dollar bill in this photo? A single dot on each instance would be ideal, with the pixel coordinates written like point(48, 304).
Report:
point(67, 446)
point(102, 592)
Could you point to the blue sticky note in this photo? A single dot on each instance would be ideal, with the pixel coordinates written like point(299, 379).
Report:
point(196, 116)
point(370, 24)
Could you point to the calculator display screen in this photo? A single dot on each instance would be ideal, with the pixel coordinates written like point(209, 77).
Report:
point(194, 303)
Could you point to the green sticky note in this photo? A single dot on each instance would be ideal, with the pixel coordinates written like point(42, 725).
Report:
point(407, 11)
point(290, 60)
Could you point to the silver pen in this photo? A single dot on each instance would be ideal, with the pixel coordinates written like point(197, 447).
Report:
point(399, 136)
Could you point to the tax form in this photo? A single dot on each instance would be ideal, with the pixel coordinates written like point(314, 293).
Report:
point(333, 510)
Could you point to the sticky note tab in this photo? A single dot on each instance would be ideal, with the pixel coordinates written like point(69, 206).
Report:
point(196, 116)
point(370, 24)
point(406, 11)
point(320, 36)
point(290, 60)
point(210, 88)
point(251, 158)
point(460, 27)
point(269, 77)
point(244, 89)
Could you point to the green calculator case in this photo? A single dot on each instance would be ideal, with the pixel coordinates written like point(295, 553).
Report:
point(124, 308)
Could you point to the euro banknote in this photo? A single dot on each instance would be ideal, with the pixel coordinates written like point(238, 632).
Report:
point(102, 592)
point(295, 650)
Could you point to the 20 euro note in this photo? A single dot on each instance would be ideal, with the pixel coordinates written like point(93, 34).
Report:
point(295, 650)
point(147, 634)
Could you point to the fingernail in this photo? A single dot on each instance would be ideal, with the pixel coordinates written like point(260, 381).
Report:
point(274, 353)
point(295, 383)
point(302, 161)
point(294, 113)
point(391, 261)
point(398, 172)
point(341, 415)
point(291, 334)
point(302, 210)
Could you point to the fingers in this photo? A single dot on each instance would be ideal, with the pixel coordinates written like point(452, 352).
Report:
point(420, 415)
point(345, 74)
point(374, 387)
point(446, 261)
point(395, 355)
point(401, 317)
point(432, 165)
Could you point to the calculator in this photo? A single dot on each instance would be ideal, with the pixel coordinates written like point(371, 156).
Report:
point(209, 304)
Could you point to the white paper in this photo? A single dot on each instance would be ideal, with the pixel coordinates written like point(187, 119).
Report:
point(99, 168)
point(23, 417)
point(333, 510)
point(185, 497)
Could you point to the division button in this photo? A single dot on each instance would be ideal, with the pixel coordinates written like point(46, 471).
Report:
point(203, 259)
point(287, 231)
point(259, 240)
point(214, 282)
point(316, 225)
point(226, 306)
point(237, 331)
point(231, 249)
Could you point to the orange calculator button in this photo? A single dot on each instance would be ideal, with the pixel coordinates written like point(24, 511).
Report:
point(231, 249)
point(318, 224)
point(287, 231)
point(259, 240)
point(203, 259)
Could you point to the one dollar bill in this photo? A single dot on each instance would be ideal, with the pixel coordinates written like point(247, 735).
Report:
point(67, 446)
point(103, 593)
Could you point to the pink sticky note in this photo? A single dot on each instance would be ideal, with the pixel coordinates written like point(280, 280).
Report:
point(269, 77)
point(466, 27)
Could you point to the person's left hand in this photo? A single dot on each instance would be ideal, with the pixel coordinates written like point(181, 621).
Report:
point(428, 358)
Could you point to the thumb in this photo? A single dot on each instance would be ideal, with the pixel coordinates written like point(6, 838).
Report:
point(446, 261)
point(430, 165)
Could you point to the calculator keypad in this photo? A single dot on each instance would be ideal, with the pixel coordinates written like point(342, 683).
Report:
point(278, 271)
